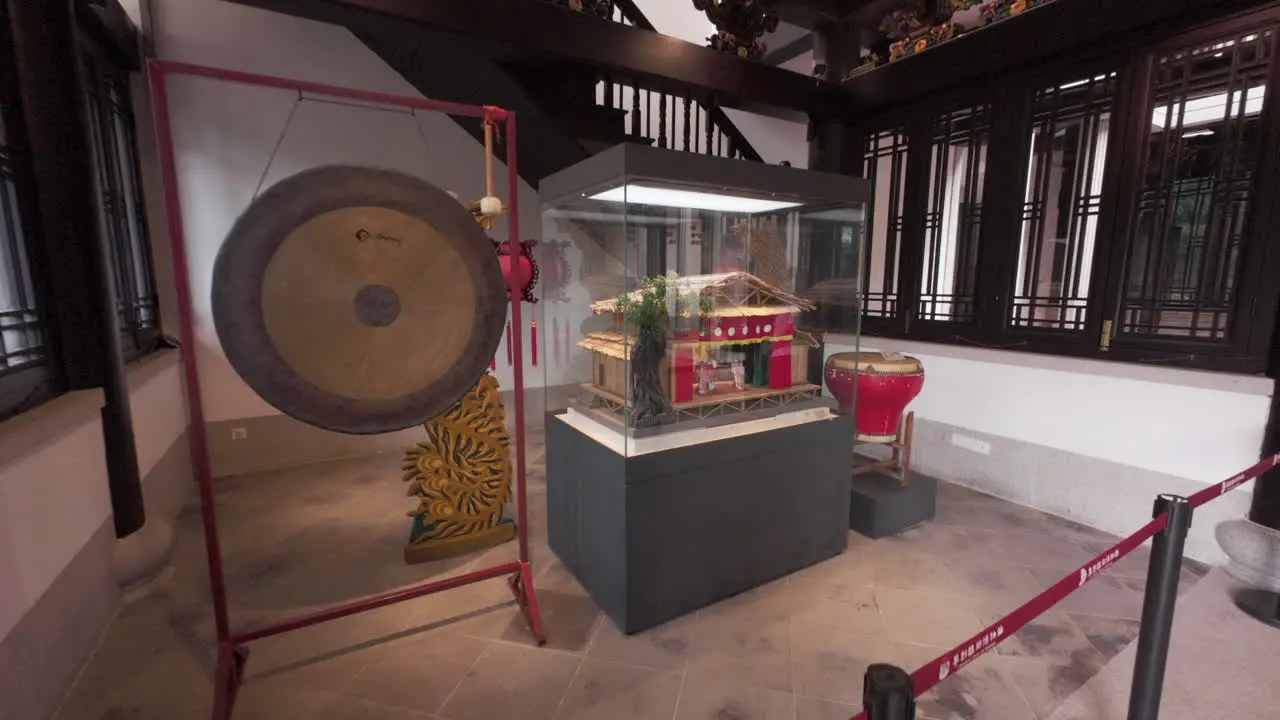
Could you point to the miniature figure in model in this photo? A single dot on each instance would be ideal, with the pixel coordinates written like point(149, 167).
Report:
point(739, 374)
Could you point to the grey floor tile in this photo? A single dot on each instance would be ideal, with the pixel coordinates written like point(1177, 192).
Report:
point(795, 648)
point(1045, 684)
point(711, 697)
point(617, 691)
point(926, 618)
point(509, 681)
point(981, 690)
point(392, 674)
point(1108, 635)
point(808, 708)
point(665, 647)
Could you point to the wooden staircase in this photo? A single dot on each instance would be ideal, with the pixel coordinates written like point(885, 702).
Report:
point(567, 110)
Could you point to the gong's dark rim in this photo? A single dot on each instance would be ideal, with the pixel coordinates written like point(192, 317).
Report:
point(242, 262)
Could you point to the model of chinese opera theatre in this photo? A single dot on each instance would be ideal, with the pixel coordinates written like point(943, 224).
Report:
point(733, 345)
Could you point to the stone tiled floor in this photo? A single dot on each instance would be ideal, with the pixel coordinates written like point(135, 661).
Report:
point(792, 650)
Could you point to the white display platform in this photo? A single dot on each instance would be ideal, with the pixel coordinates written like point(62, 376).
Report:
point(617, 441)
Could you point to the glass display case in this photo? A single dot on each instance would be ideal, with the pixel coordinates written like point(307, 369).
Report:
point(685, 297)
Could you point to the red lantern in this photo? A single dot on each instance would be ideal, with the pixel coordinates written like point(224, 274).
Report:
point(521, 265)
point(885, 385)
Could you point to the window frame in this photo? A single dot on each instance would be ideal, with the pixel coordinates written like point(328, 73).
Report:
point(26, 387)
point(101, 67)
point(1251, 318)
point(1000, 238)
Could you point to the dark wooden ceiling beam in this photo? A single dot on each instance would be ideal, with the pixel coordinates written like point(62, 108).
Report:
point(790, 51)
point(534, 30)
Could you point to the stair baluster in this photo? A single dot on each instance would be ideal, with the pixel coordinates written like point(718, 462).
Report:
point(662, 120)
point(685, 127)
point(635, 111)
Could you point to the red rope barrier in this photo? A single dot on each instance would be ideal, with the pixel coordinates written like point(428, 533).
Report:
point(947, 664)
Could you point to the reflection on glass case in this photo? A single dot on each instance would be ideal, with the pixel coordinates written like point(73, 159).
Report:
point(704, 286)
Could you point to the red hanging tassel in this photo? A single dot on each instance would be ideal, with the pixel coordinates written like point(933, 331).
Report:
point(508, 343)
point(533, 341)
point(493, 362)
point(555, 340)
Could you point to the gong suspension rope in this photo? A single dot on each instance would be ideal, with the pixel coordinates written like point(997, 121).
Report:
point(293, 111)
point(279, 141)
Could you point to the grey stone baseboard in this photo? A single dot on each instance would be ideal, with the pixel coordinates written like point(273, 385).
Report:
point(42, 654)
point(1106, 495)
point(170, 482)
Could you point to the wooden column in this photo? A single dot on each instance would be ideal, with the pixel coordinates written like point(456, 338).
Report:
point(83, 307)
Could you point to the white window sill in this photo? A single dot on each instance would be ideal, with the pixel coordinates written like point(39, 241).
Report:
point(1225, 382)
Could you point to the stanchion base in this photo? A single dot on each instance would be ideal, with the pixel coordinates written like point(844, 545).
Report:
point(1260, 605)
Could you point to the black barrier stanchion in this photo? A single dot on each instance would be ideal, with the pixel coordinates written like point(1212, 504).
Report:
point(1157, 608)
point(887, 694)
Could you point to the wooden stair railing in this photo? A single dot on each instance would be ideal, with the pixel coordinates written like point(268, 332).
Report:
point(669, 120)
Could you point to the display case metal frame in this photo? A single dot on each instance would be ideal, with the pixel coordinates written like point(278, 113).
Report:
point(632, 162)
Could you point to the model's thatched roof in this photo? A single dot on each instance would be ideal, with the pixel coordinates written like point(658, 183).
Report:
point(736, 294)
point(837, 291)
point(804, 339)
point(609, 344)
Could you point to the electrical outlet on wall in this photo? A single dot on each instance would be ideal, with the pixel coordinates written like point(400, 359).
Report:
point(239, 433)
point(973, 444)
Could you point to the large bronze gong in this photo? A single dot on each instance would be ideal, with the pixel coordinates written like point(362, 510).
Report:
point(357, 299)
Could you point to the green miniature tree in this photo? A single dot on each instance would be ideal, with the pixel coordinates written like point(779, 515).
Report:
point(650, 312)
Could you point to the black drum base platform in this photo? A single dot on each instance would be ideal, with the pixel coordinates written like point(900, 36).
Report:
point(880, 506)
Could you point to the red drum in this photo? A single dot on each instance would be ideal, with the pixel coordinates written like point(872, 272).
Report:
point(885, 385)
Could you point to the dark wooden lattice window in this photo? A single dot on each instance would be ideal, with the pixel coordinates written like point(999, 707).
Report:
point(21, 337)
point(26, 375)
point(121, 211)
point(1070, 128)
point(1201, 155)
point(953, 215)
point(885, 159)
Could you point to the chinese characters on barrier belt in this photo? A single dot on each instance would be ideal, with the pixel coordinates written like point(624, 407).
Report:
point(949, 663)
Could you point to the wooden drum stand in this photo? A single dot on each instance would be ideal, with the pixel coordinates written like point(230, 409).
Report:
point(898, 464)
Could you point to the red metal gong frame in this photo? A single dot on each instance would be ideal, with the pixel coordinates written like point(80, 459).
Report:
point(232, 650)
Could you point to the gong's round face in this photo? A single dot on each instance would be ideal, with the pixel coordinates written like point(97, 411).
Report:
point(368, 303)
point(358, 300)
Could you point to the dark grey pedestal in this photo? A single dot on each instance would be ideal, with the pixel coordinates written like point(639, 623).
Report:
point(655, 536)
point(880, 506)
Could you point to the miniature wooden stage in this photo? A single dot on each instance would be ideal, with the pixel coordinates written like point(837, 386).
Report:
point(725, 399)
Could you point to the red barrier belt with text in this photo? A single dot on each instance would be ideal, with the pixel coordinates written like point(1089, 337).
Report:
point(945, 665)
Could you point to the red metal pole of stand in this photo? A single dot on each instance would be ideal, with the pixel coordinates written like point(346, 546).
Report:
point(525, 594)
point(197, 437)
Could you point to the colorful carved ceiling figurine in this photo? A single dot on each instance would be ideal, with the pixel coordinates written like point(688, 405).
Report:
point(913, 28)
point(600, 8)
point(461, 477)
point(739, 25)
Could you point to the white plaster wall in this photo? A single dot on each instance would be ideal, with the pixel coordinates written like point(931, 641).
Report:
point(1192, 428)
point(51, 502)
point(224, 135)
